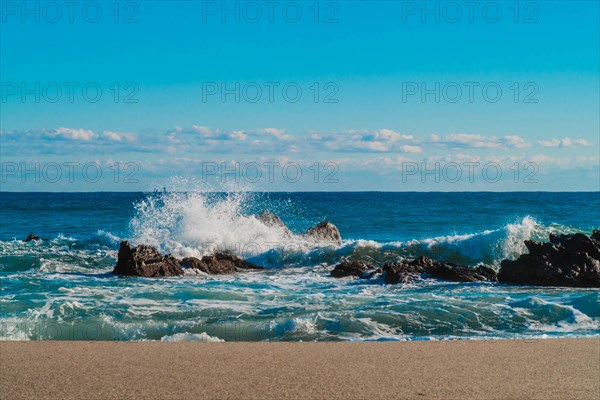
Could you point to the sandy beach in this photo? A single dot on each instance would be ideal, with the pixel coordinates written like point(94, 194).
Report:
point(506, 369)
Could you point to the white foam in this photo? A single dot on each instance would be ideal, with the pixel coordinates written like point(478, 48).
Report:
point(515, 234)
point(108, 237)
point(190, 337)
point(575, 321)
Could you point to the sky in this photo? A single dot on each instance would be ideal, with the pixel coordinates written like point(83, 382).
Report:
point(300, 96)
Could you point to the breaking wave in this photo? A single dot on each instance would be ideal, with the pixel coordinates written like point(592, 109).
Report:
point(196, 224)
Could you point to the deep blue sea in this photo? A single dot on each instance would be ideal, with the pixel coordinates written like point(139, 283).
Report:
point(62, 288)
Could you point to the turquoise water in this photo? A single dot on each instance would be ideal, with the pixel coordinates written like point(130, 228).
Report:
point(62, 289)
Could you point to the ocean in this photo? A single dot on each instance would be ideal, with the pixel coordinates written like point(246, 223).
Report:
point(61, 288)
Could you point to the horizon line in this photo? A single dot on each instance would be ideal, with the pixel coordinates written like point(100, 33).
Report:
point(298, 191)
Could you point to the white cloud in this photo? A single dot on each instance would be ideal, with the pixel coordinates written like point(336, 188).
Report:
point(411, 149)
point(391, 162)
point(381, 140)
point(120, 136)
point(549, 143)
point(515, 141)
point(457, 158)
point(276, 133)
point(374, 146)
point(471, 140)
point(390, 135)
point(73, 134)
point(112, 136)
point(581, 142)
point(564, 142)
point(238, 135)
point(202, 130)
point(462, 140)
point(544, 159)
point(88, 135)
point(566, 162)
point(204, 138)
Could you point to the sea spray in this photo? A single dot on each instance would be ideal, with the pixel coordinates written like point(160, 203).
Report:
point(196, 224)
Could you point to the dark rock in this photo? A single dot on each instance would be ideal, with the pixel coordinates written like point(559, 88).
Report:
point(354, 268)
point(404, 271)
point(566, 260)
point(577, 242)
point(324, 232)
point(195, 263)
point(537, 248)
point(517, 271)
point(218, 263)
point(401, 271)
point(145, 261)
point(32, 236)
point(489, 273)
point(457, 273)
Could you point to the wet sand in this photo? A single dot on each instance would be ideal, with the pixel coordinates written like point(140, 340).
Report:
point(506, 369)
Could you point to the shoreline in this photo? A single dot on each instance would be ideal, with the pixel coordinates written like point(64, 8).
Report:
point(466, 369)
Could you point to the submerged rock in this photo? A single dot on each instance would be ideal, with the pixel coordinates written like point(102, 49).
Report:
point(218, 263)
point(32, 236)
point(354, 268)
point(324, 232)
point(566, 260)
point(404, 271)
point(145, 261)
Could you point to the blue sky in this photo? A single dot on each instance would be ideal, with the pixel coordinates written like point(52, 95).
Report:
point(518, 91)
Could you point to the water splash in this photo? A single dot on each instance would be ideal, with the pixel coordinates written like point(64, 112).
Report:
point(199, 223)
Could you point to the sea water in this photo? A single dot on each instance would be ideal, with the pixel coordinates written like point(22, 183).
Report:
point(61, 288)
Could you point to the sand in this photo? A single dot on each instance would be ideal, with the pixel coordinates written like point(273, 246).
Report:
point(506, 369)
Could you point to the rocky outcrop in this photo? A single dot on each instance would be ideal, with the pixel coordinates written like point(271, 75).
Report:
point(218, 263)
point(272, 220)
point(354, 268)
point(566, 260)
point(404, 271)
point(32, 236)
point(145, 261)
point(324, 232)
